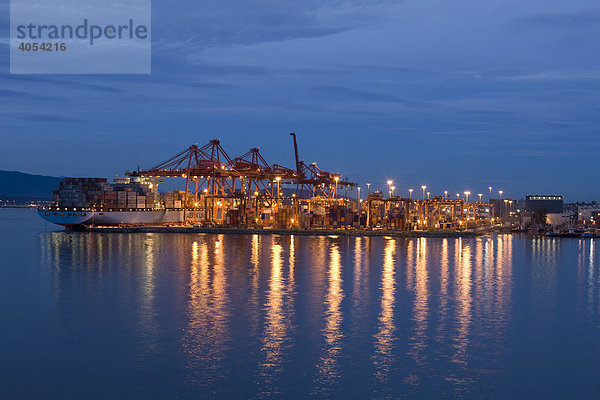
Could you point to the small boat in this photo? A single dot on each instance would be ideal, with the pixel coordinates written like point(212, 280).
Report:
point(571, 233)
point(591, 233)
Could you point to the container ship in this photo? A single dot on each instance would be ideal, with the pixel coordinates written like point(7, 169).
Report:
point(128, 201)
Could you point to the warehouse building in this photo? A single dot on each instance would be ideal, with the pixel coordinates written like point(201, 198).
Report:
point(553, 204)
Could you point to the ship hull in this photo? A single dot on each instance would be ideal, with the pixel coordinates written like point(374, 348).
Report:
point(66, 218)
point(152, 217)
point(110, 218)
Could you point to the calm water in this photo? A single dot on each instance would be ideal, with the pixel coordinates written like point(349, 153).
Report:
point(117, 316)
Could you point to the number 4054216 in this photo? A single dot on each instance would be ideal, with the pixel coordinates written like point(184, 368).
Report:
point(44, 46)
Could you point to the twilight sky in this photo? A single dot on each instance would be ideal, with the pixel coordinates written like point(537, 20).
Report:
point(455, 95)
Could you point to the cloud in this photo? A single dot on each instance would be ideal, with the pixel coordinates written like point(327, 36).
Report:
point(11, 127)
point(69, 83)
point(207, 85)
point(368, 95)
point(395, 69)
point(575, 19)
point(14, 94)
point(31, 117)
point(561, 124)
point(357, 93)
point(232, 22)
point(214, 69)
point(320, 71)
point(543, 76)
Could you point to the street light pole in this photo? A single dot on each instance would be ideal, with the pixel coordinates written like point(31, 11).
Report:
point(480, 195)
point(445, 194)
point(389, 182)
point(368, 188)
point(410, 193)
point(423, 188)
point(500, 193)
point(489, 187)
point(278, 179)
point(428, 195)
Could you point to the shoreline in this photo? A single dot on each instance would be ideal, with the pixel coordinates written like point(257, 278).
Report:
point(299, 232)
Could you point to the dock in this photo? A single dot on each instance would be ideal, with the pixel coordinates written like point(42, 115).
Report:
point(296, 232)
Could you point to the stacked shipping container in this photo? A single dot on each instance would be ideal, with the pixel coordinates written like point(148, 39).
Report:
point(97, 192)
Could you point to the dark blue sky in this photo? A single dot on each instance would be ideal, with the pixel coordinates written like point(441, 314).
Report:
point(454, 95)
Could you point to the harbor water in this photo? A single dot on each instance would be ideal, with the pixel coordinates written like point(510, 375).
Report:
point(189, 316)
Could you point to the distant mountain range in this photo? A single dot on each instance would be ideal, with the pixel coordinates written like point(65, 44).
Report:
point(20, 186)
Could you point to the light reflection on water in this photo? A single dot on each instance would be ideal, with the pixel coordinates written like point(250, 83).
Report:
point(272, 317)
point(384, 339)
point(328, 369)
point(279, 307)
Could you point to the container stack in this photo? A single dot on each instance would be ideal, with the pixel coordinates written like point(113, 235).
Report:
point(173, 199)
point(81, 192)
point(233, 217)
point(131, 200)
point(109, 199)
point(97, 192)
point(122, 199)
point(168, 199)
point(283, 218)
point(395, 218)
